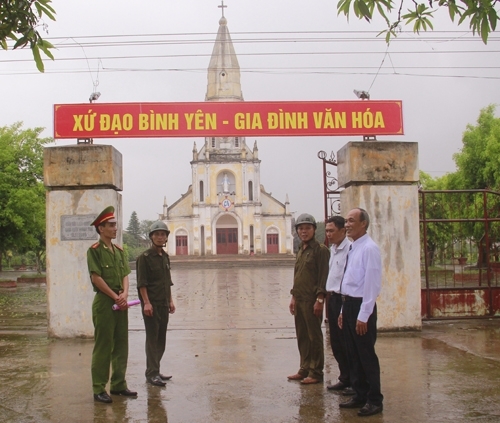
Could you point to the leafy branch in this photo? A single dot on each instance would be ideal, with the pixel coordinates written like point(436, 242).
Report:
point(482, 15)
point(20, 20)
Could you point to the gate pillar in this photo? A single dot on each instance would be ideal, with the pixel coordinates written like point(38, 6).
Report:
point(381, 177)
point(81, 181)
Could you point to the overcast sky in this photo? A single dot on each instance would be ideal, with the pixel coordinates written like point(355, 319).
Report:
point(159, 50)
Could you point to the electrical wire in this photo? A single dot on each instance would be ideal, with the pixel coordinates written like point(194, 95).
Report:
point(318, 38)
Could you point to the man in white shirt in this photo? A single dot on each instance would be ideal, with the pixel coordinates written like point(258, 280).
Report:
point(360, 288)
point(336, 234)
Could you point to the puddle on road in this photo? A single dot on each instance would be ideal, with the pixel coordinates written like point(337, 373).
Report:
point(233, 375)
point(23, 309)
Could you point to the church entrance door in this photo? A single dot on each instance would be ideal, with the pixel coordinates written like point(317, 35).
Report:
point(272, 243)
point(227, 240)
point(181, 245)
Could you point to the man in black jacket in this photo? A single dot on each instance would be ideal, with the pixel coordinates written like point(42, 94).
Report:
point(153, 283)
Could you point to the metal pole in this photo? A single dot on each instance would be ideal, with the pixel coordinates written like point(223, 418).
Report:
point(426, 259)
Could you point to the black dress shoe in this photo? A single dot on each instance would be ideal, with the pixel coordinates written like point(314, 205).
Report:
point(370, 410)
point(163, 377)
point(352, 403)
point(103, 397)
point(337, 387)
point(125, 393)
point(156, 381)
point(348, 392)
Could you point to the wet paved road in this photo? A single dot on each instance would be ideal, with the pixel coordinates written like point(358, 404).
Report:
point(230, 346)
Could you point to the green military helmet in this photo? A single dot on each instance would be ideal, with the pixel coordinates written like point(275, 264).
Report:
point(305, 218)
point(158, 226)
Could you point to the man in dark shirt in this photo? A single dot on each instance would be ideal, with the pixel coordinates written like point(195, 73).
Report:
point(306, 304)
point(153, 283)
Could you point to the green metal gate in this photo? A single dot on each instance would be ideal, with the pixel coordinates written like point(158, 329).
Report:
point(460, 253)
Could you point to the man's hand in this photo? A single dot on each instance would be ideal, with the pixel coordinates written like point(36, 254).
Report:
point(361, 327)
point(171, 306)
point(121, 301)
point(318, 309)
point(339, 321)
point(148, 309)
point(292, 306)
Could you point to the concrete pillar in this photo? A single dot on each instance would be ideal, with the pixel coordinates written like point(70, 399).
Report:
point(381, 177)
point(81, 180)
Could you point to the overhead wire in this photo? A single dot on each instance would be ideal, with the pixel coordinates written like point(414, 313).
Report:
point(290, 37)
point(310, 53)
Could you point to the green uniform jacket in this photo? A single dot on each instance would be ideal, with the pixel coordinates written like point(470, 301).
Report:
point(153, 272)
point(111, 267)
point(311, 271)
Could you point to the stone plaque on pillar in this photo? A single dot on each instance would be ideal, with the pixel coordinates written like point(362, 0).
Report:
point(381, 177)
point(81, 181)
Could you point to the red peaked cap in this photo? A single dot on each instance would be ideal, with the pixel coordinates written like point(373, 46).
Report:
point(107, 215)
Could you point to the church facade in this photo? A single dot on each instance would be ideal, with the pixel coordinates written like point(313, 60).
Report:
point(226, 209)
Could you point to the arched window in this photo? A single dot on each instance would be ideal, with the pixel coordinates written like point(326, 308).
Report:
point(202, 194)
point(250, 191)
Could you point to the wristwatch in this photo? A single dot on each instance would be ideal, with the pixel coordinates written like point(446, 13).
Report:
point(320, 300)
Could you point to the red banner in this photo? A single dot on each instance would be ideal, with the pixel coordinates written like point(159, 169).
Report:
point(223, 119)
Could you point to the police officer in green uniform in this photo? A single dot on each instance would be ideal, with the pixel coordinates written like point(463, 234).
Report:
point(308, 293)
point(109, 271)
point(153, 283)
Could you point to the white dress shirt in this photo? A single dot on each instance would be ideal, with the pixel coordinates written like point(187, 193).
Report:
point(363, 275)
point(338, 255)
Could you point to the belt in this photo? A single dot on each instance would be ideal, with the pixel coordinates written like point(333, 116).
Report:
point(333, 293)
point(347, 298)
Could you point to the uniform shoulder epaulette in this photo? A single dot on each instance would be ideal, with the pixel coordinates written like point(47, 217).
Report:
point(145, 253)
point(117, 246)
point(95, 245)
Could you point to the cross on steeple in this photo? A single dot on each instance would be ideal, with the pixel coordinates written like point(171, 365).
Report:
point(222, 7)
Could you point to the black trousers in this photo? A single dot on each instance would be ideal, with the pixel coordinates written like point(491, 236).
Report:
point(337, 341)
point(363, 361)
point(156, 338)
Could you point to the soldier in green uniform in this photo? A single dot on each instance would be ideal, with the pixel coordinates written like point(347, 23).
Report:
point(308, 293)
point(109, 271)
point(153, 283)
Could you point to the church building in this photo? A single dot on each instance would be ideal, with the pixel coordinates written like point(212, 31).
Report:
point(226, 209)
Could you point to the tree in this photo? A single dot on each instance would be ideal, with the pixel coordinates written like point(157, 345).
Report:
point(482, 15)
point(19, 20)
point(478, 165)
point(136, 237)
point(438, 235)
point(478, 162)
point(22, 194)
point(133, 227)
point(133, 235)
point(145, 226)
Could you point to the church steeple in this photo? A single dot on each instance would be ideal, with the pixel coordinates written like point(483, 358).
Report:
point(224, 85)
point(223, 69)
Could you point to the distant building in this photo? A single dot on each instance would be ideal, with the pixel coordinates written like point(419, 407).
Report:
point(226, 210)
